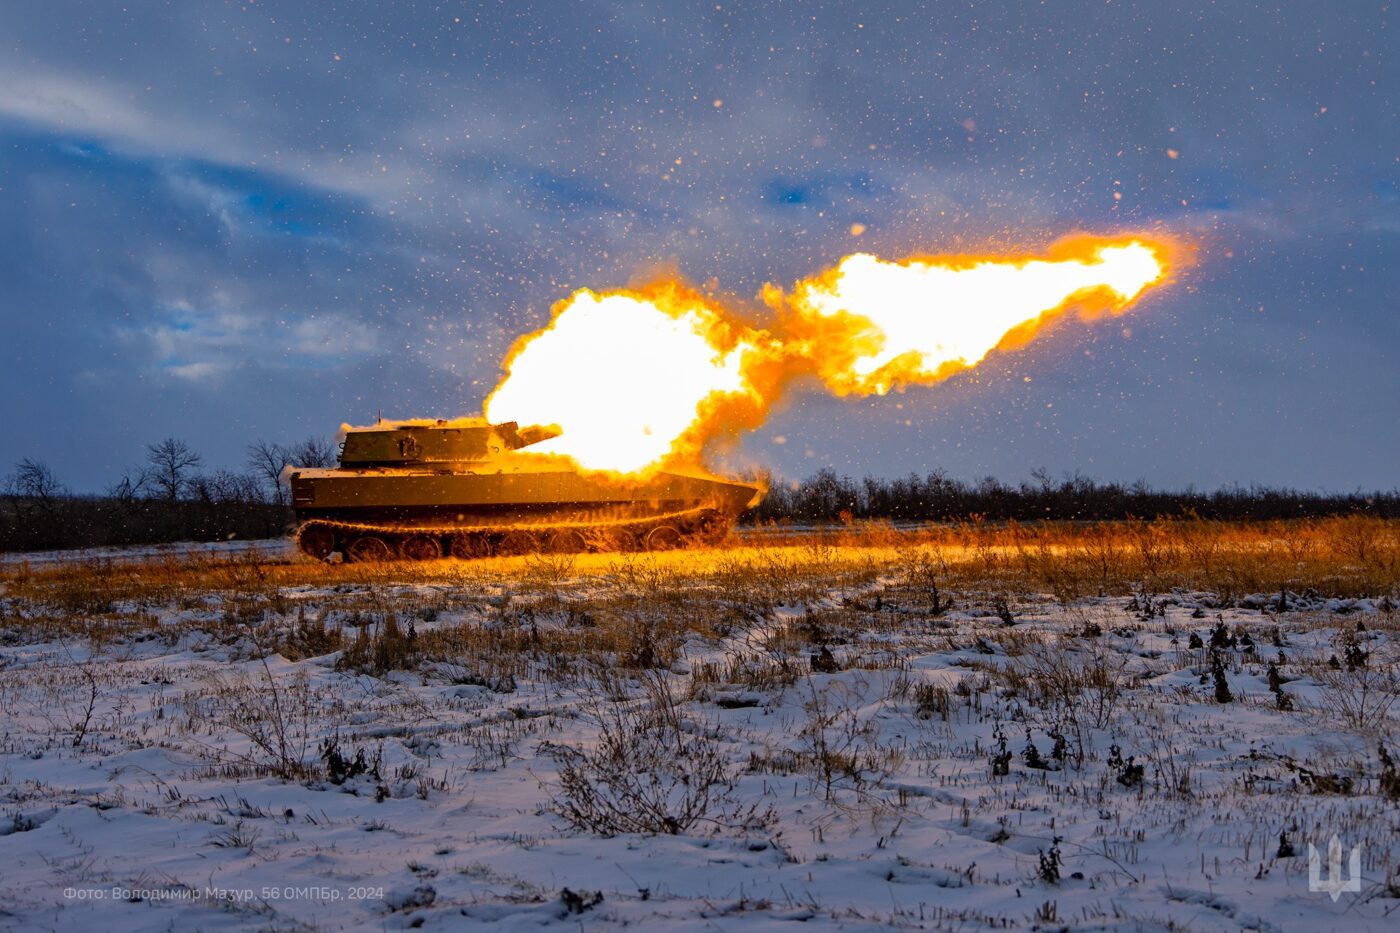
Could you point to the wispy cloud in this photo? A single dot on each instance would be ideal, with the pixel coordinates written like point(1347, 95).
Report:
point(279, 215)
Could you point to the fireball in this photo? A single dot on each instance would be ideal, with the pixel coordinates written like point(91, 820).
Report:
point(624, 376)
point(637, 380)
point(874, 324)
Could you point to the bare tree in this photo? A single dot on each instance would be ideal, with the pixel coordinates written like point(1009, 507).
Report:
point(269, 461)
point(314, 452)
point(171, 461)
point(31, 485)
point(134, 484)
point(9, 493)
point(36, 481)
point(225, 487)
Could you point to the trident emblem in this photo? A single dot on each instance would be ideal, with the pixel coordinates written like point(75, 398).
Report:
point(1335, 883)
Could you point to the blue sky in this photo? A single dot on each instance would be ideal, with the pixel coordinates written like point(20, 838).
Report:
point(232, 221)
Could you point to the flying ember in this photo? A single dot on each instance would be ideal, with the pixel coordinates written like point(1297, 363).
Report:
point(637, 380)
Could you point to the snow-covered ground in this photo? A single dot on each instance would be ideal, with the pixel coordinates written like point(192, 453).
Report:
point(272, 547)
point(868, 752)
point(285, 547)
point(269, 547)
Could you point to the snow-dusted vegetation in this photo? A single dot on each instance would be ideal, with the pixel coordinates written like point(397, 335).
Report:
point(1134, 725)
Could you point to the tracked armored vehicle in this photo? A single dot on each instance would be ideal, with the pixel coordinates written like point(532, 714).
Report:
point(412, 490)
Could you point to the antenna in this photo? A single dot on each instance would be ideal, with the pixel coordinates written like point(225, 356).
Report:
point(379, 416)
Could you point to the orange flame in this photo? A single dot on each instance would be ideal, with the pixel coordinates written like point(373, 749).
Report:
point(871, 324)
point(625, 375)
point(639, 379)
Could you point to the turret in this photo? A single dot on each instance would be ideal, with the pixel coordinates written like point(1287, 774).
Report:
point(466, 440)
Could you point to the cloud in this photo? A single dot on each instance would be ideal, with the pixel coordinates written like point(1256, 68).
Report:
point(331, 336)
point(235, 219)
point(198, 372)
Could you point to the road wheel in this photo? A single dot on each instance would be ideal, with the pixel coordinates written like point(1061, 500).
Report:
point(663, 538)
point(470, 546)
point(711, 527)
point(316, 541)
point(565, 541)
point(518, 541)
point(368, 550)
point(420, 547)
point(619, 539)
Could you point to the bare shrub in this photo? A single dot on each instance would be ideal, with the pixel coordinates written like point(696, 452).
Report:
point(1360, 696)
point(931, 700)
point(388, 648)
point(341, 767)
point(308, 638)
point(77, 698)
point(89, 707)
point(650, 772)
point(91, 694)
point(548, 571)
point(1171, 756)
point(919, 572)
point(278, 722)
point(645, 643)
point(1077, 688)
point(838, 745)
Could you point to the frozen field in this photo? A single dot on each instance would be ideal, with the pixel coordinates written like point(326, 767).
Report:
point(855, 734)
point(267, 547)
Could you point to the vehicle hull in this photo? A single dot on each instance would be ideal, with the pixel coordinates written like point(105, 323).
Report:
point(371, 508)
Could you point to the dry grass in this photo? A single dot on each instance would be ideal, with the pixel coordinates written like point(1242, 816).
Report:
point(795, 687)
point(650, 771)
point(640, 607)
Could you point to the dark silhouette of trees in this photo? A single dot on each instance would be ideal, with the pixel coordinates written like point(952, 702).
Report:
point(268, 462)
point(171, 461)
point(223, 487)
point(170, 499)
point(34, 480)
point(830, 497)
point(165, 500)
point(314, 452)
point(135, 483)
point(32, 488)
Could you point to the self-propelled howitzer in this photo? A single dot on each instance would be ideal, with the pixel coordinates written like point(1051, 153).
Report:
point(418, 490)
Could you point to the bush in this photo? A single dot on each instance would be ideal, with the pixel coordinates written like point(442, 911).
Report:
point(1360, 698)
point(388, 648)
point(648, 772)
point(340, 769)
point(277, 720)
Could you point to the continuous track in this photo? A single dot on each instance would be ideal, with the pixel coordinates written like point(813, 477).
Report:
point(364, 542)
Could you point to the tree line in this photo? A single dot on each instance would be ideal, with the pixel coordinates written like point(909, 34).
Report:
point(171, 497)
point(167, 497)
point(936, 497)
